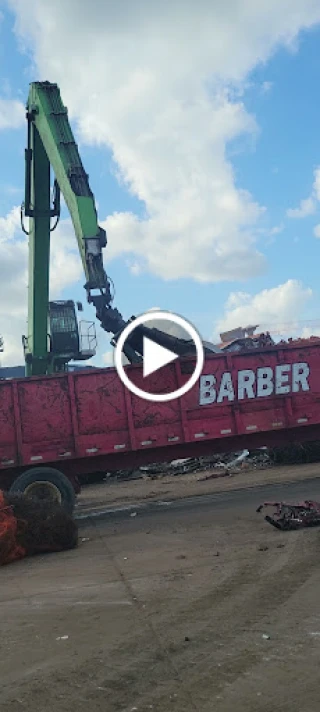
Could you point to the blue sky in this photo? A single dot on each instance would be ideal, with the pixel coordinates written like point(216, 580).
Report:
point(272, 150)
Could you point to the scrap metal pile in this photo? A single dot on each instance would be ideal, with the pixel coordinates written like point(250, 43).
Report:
point(29, 527)
point(293, 516)
point(221, 463)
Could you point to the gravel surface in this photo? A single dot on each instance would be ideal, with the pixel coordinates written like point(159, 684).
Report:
point(200, 606)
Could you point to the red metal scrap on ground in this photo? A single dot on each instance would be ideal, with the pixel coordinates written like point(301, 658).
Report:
point(293, 516)
point(10, 549)
point(29, 526)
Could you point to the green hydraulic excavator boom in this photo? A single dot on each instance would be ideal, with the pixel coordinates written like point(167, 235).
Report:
point(51, 144)
point(53, 338)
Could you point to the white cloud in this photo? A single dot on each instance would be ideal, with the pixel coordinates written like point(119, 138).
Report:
point(65, 269)
point(269, 309)
point(308, 331)
point(316, 230)
point(308, 206)
point(13, 287)
point(277, 229)
point(9, 225)
point(266, 87)
point(108, 358)
point(158, 87)
point(134, 267)
point(316, 184)
point(65, 265)
point(12, 114)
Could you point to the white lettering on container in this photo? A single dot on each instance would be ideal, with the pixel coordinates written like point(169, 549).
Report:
point(207, 390)
point(226, 388)
point(300, 373)
point(246, 380)
point(282, 379)
point(265, 381)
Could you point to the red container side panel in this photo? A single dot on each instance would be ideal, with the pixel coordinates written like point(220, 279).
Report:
point(156, 424)
point(45, 410)
point(8, 444)
point(100, 404)
point(101, 414)
point(88, 414)
point(45, 420)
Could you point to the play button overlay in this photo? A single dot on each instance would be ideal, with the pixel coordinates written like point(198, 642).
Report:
point(156, 357)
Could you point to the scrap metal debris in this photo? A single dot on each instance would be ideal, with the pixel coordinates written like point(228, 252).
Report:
point(245, 339)
point(221, 463)
point(29, 526)
point(293, 516)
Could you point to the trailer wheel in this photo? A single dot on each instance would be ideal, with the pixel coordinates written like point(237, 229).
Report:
point(46, 483)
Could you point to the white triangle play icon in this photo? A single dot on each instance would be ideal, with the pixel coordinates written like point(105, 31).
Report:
point(155, 356)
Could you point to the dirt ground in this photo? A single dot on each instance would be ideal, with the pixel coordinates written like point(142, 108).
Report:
point(197, 607)
point(121, 493)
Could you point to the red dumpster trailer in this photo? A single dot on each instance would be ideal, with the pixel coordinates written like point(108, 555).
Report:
point(55, 428)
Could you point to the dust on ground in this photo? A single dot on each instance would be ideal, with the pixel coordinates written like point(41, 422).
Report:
point(189, 610)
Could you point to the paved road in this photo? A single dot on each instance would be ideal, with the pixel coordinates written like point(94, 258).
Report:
point(250, 497)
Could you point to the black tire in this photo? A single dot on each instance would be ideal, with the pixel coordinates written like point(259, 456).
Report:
point(57, 480)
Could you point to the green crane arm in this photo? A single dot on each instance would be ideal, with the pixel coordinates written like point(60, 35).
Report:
point(51, 144)
point(48, 118)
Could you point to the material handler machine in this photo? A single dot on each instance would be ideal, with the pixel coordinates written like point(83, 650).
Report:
point(54, 336)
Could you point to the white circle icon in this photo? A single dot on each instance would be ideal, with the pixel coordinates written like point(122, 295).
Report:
point(156, 356)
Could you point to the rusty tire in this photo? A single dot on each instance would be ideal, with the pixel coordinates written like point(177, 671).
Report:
point(46, 483)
